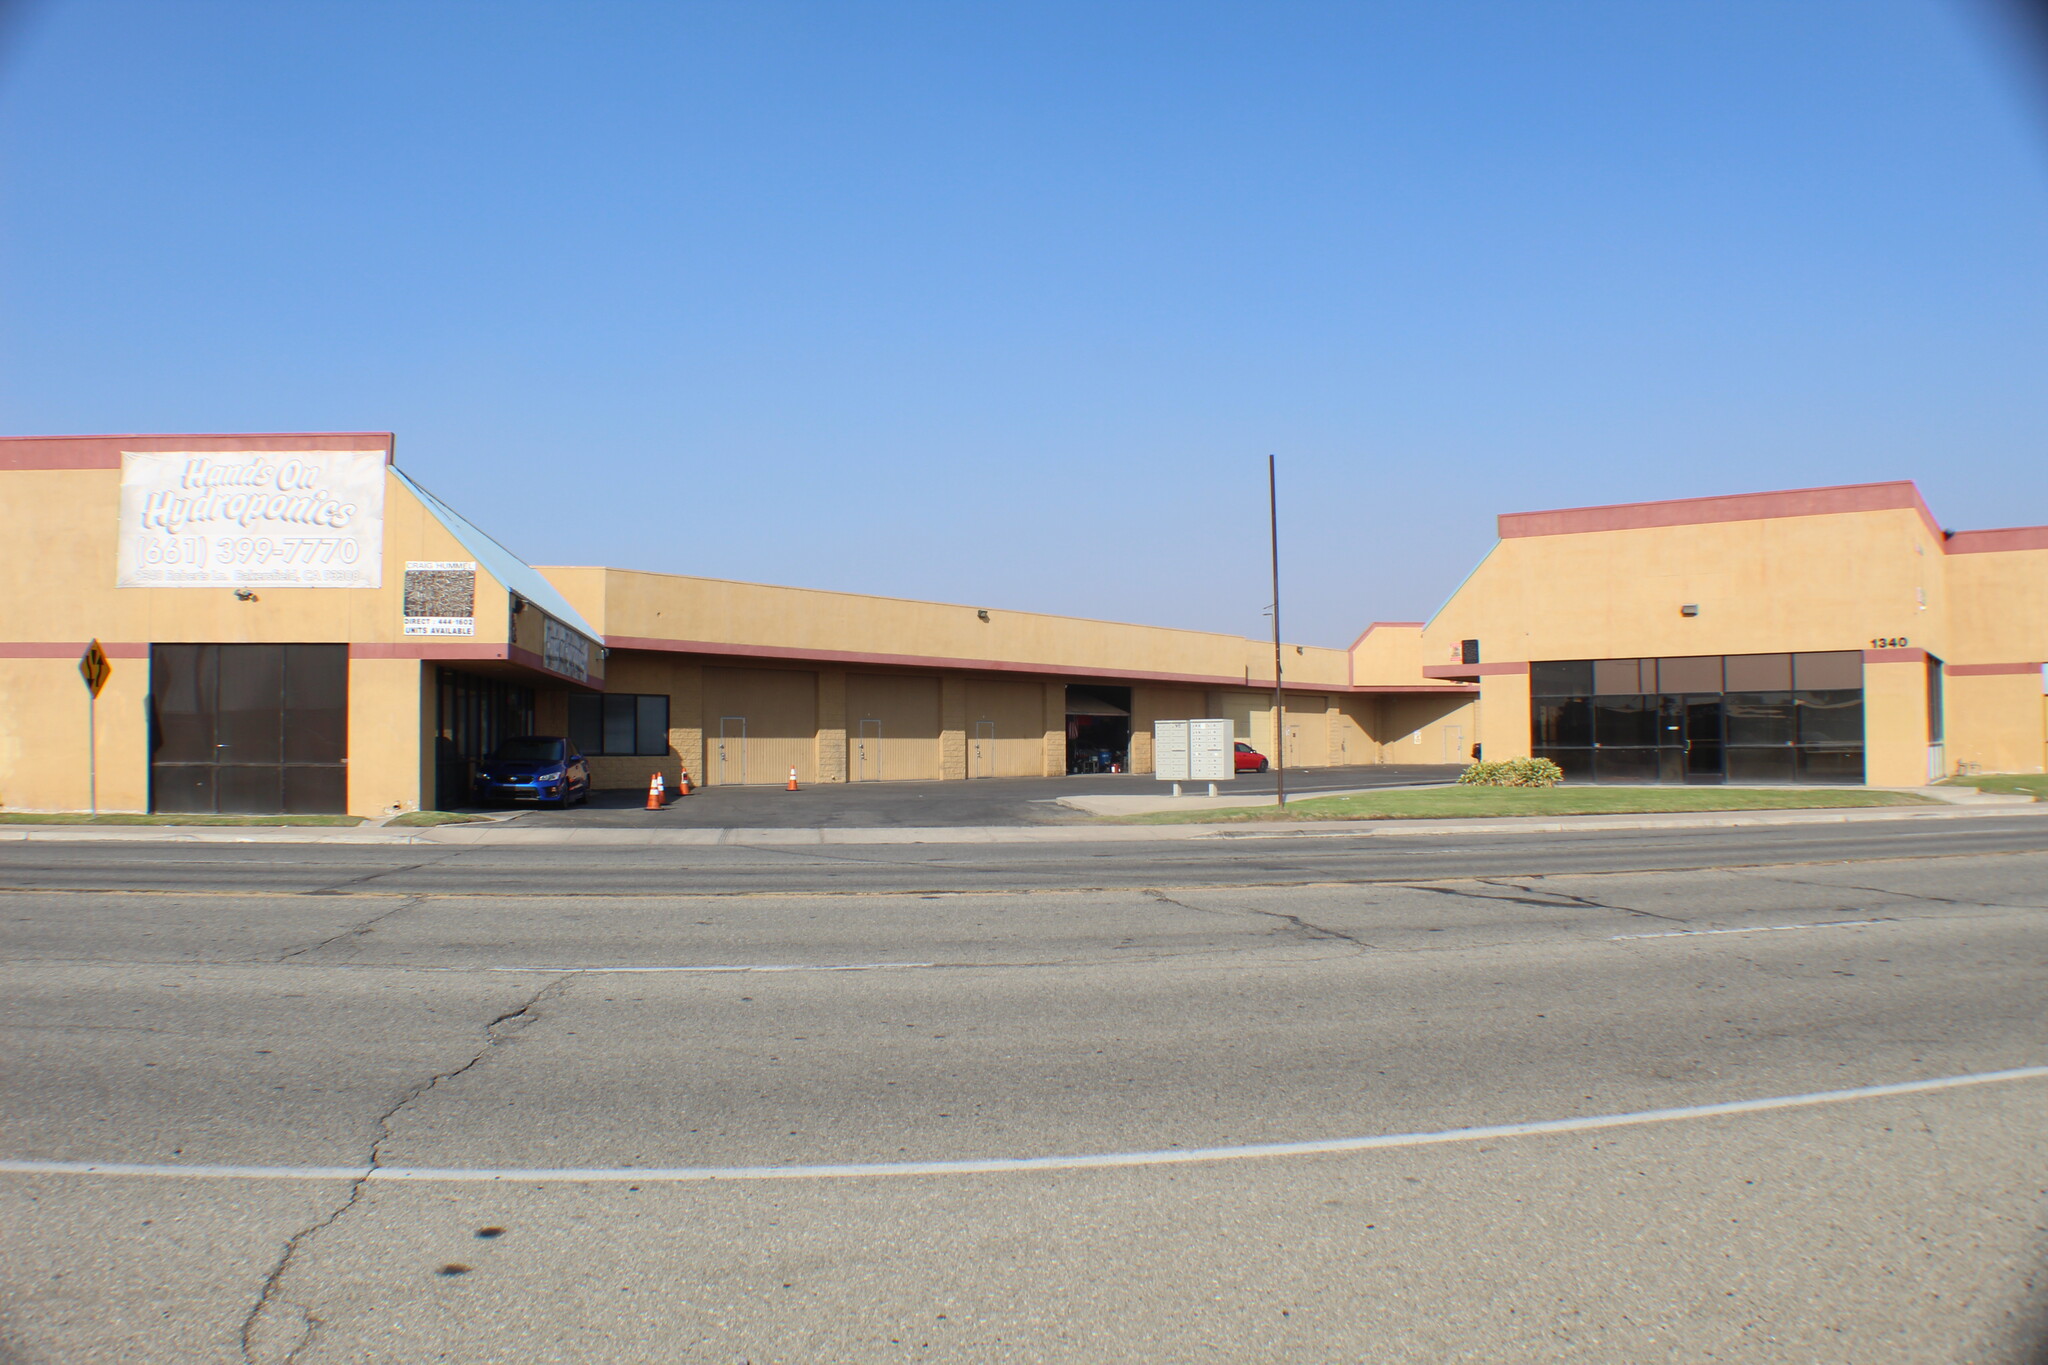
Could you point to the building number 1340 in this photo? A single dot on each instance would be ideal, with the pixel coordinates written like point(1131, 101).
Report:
point(1890, 642)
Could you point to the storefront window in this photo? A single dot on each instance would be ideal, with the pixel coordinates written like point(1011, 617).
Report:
point(1705, 718)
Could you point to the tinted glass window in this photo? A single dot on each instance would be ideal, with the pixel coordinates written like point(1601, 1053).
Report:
point(1625, 765)
point(651, 721)
point(1831, 717)
point(586, 721)
point(1562, 722)
point(1621, 721)
point(618, 724)
point(1561, 678)
point(1576, 763)
point(529, 750)
point(1772, 764)
point(1759, 718)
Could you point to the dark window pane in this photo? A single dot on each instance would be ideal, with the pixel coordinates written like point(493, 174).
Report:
point(181, 789)
point(1699, 673)
point(1670, 722)
point(1759, 672)
point(1624, 721)
point(651, 720)
point(1561, 678)
point(1564, 723)
point(1625, 765)
point(1620, 677)
point(1759, 718)
point(1576, 763)
point(1831, 765)
point(618, 725)
point(1935, 715)
point(250, 789)
point(182, 695)
point(1827, 672)
point(1773, 764)
point(1831, 717)
point(1468, 651)
point(315, 703)
point(586, 722)
point(311, 789)
point(251, 724)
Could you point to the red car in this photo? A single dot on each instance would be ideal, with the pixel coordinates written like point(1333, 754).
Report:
point(1250, 760)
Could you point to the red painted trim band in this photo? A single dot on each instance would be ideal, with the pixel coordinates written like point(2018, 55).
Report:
point(1472, 670)
point(57, 649)
point(1793, 502)
point(104, 452)
point(1895, 656)
point(2003, 539)
point(842, 656)
point(1989, 670)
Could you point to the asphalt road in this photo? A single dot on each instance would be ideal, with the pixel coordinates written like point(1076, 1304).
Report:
point(457, 1108)
point(987, 801)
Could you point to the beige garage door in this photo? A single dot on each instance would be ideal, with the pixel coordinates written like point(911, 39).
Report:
point(1005, 729)
point(892, 727)
point(1308, 732)
point(758, 724)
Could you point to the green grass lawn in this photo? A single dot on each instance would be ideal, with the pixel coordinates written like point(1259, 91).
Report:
point(29, 818)
point(416, 818)
point(1438, 803)
point(2026, 784)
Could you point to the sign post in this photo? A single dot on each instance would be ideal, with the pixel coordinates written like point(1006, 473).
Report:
point(94, 668)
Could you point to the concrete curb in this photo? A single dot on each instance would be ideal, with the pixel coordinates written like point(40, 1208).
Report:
point(472, 836)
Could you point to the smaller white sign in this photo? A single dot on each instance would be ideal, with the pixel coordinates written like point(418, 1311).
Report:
point(440, 597)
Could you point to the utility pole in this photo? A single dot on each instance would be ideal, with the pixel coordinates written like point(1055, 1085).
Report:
point(1279, 702)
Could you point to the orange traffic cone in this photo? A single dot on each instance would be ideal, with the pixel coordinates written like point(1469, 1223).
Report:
point(683, 786)
point(654, 792)
point(792, 779)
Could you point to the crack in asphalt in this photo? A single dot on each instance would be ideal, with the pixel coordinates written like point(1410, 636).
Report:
point(1315, 932)
point(309, 1322)
point(358, 930)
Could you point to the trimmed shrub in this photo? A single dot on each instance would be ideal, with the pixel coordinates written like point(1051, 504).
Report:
point(1513, 772)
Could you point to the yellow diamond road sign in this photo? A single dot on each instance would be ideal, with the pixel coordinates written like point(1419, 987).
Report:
point(94, 668)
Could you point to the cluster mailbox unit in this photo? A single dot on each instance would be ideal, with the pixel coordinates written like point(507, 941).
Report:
point(1194, 751)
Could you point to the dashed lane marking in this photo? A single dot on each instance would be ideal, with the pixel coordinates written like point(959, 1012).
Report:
point(1754, 929)
point(681, 1175)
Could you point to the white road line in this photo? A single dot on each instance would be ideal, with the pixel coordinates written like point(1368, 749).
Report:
point(1758, 929)
point(678, 1175)
point(722, 967)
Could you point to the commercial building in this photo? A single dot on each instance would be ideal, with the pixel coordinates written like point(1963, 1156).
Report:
point(293, 624)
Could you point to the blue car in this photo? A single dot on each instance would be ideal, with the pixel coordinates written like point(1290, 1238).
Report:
point(537, 768)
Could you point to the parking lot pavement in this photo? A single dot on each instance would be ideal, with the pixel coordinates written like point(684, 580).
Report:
point(987, 801)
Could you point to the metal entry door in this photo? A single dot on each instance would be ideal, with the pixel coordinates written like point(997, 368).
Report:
point(249, 729)
point(732, 750)
point(867, 752)
point(981, 754)
point(1454, 744)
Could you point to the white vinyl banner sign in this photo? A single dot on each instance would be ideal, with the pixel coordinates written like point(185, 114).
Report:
point(254, 518)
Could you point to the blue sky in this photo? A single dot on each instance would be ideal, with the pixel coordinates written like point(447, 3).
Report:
point(1005, 304)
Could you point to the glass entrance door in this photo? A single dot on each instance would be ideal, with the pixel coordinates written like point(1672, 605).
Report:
point(1703, 740)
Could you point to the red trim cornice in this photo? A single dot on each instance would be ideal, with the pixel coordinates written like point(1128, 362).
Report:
point(1993, 542)
point(1899, 495)
point(56, 649)
point(1472, 670)
point(1895, 656)
point(104, 452)
point(1989, 670)
point(842, 656)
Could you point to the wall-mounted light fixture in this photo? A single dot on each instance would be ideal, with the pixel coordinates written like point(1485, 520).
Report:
point(244, 595)
point(983, 613)
point(1689, 609)
point(518, 604)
